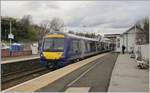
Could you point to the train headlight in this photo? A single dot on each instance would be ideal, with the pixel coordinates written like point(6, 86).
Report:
point(62, 55)
point(41, 55)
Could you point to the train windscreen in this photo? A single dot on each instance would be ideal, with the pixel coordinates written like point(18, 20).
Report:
point(53, 44)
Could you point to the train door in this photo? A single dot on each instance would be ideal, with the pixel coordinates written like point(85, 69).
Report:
point(75, 50)
point(88, 46)
point(83, 48)
point(92, 46)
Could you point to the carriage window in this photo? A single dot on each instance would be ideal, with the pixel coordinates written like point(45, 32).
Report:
point(87, 46)
point(75, 46)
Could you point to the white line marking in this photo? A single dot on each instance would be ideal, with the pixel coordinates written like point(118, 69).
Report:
point(78, 89)
point(11, 88)
point(82, 75)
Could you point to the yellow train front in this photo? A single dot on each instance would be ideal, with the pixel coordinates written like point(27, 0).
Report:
point(52, 51)
point(58, 49)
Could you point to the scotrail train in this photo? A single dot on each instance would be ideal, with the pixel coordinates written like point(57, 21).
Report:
point(59, 49)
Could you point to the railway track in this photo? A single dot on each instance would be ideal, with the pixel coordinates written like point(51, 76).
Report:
point(12, 79)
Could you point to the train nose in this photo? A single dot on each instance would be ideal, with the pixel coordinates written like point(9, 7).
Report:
point(53, 55)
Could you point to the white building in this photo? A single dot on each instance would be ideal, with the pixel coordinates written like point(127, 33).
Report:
point(128, 39)
point(135, 41)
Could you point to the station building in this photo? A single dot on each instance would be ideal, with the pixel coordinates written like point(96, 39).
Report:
point(134, 40)
point(128, 39)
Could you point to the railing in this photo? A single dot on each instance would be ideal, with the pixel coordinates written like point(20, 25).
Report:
point(144, 51)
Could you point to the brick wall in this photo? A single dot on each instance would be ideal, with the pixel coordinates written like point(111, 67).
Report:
point(6, 53)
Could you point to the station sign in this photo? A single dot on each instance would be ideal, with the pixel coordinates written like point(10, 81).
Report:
point(10, 36)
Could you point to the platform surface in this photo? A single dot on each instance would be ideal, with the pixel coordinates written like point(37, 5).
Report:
point(93, 77)
point(126, 77)
point(20, 58)
point(44, 80)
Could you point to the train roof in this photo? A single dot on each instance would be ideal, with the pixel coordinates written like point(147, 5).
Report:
point(81, 37)
point(74, 36)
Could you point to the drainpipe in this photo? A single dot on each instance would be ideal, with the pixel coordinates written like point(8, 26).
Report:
point(127, 41)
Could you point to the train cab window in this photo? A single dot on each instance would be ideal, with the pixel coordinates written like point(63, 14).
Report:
point(53, 44)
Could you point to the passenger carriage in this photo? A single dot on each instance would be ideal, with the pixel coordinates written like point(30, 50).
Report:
point(59, 49)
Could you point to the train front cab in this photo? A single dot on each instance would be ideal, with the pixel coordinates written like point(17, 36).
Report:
point(53, 51)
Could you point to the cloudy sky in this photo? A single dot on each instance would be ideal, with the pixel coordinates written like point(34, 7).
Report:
point(91, 16)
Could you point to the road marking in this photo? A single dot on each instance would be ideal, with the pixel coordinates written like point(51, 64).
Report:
point(82, 74)
point(78, 89)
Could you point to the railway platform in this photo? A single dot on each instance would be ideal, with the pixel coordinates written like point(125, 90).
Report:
point(127, 77)
point(105, 72)
point(18, 59)
point(64, 79)
point(16, 64)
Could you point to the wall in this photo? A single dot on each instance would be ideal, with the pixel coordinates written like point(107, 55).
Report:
point(131, 40)
point(6, 53)
point(144, 50)
point(120, 43)
point(128, 39)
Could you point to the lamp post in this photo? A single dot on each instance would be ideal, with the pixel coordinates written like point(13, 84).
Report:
point(10, 36)
point(10, 33)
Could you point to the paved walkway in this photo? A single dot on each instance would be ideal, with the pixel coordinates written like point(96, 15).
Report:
point(126, 77)
point(92, 77)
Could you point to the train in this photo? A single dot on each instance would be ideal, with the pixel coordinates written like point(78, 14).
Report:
point(59, 49)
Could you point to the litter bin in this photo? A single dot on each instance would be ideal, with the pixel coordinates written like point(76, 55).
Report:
point(34, 48)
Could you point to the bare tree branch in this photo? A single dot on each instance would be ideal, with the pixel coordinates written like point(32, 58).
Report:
point(56, 24)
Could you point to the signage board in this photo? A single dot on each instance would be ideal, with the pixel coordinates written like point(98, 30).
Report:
point(10, 36)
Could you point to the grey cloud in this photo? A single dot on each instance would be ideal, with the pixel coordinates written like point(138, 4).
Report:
point(109, 15)
point(37, 5)
point(34, 6)
point(115, 15)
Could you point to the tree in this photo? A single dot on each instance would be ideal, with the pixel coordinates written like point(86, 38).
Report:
point(56, 24)
point(27, 30)
point(26, 20)
point(71, 32)
point(22, 29)
point(45, 28)
point(146, 28)
point(5, 27)
point(142, 36)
